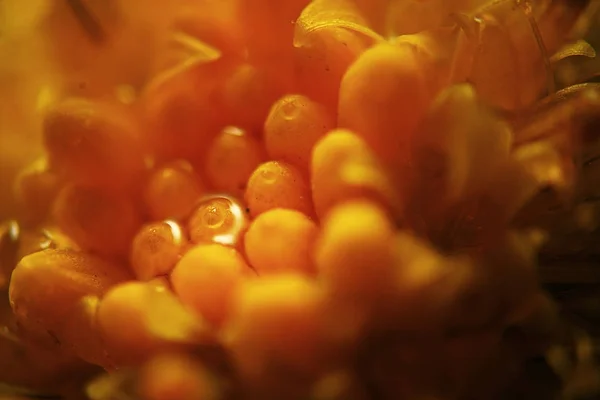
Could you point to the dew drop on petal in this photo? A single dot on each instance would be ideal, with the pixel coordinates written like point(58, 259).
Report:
point(218, 219)
point(156, 248)
point(290, 109)
point(268, 176)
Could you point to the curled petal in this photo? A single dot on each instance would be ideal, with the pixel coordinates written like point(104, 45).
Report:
point(563, 114)
point(512, 189)
point(577, 48)
point(546, 165)
point(322, 14)
point(533, 168)
point(182, 53)
point(459, 148)
point(444, 54)
point(587, 90)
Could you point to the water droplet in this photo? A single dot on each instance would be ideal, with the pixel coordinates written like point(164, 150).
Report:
point(156, 248)
point(214, 216)
point(234, 131)
point(218, 219)
point(290, 109)
point(46, 241)
point(176, 231)
point(268, 175)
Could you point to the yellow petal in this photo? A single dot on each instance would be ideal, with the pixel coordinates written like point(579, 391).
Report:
point(546, 165)
point(332, 14)
point(168, 319)
point(460, 146)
